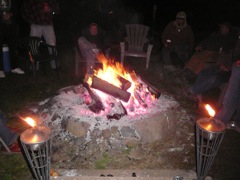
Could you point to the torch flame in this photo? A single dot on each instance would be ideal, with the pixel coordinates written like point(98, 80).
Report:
point(30, 121)
point(211, 112)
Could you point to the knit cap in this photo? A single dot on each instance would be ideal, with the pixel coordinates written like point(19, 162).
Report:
point(181, 15)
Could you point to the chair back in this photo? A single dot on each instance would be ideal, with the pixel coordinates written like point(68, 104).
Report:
point(34, 46)
point(136, 36)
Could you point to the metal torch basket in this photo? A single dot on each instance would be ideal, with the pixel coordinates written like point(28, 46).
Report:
point(36, 143)
point(209, 135)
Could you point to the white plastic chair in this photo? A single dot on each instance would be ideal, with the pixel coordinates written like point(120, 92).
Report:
point(134, 43)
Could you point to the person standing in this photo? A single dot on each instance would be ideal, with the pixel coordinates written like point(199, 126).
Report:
point(9, 32)
point(177, 38)
point(39, 14)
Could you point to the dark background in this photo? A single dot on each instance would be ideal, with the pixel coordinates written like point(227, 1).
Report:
point(204, 16)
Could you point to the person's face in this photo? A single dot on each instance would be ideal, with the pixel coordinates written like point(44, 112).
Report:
point(180, 22)
point(223, 29)
point(93, 30)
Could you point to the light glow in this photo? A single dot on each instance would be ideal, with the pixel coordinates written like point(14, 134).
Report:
point(210, 110)
point(30, 121)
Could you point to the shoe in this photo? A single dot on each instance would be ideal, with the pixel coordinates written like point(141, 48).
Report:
point(2, 74)
point(13, 148)
point(18, 71)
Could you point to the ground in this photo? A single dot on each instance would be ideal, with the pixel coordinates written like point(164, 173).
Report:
point(17, 93)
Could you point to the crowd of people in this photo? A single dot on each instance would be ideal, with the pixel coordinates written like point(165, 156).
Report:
point(177, 51)
point(214, 62)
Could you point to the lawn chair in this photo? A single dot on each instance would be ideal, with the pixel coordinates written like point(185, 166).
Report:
point(34, 48)
point(135, 42)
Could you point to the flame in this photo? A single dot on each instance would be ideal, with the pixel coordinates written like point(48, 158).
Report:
point(112, 72)
point(211, 112)
point(35, 138)
point(30, 121)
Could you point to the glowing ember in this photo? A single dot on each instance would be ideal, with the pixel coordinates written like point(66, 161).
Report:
point(30, 121)
point(211, 112)
point(111, 72)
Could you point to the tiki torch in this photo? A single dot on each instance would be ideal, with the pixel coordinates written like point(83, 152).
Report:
point(209, 135)
point(36, 144)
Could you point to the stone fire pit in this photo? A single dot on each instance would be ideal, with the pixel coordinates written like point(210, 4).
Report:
point(81, 138)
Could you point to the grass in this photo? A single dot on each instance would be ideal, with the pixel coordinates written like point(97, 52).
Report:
point(17, 92)
point(13, 167)
point(102, 163)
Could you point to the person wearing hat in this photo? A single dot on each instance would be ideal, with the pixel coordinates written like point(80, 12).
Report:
point(177, 38)
point(216, 49)
point(211, 64)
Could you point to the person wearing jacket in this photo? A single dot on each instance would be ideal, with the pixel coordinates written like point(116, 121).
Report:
point(177, 38)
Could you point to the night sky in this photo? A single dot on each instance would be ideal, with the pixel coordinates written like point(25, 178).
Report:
point(203, 16)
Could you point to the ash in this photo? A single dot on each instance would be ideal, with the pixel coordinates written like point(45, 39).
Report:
point(72, 104)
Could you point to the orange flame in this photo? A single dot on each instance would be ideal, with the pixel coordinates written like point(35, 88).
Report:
point(30, 121)
point(111, 71)
point(211, 112)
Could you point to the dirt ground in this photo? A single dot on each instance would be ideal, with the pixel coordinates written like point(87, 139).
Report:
point(179, 153)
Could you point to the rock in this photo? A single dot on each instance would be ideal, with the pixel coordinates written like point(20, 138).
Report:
point(77, 128)
point(159, 127)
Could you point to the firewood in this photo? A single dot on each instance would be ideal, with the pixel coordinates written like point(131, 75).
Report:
point(110, 89)
point(121, 111)
point(125, 84)
point(152, 89)
point(139, 99)
point(96, 104)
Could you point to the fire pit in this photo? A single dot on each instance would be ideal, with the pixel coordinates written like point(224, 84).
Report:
point(112, 99)
point(86, 118)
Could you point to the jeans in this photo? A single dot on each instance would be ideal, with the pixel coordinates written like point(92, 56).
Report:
point(86, 50)
point(6, 134)
point(180, 50)
point(47, 31)
point(231, 100)
point(209, 78)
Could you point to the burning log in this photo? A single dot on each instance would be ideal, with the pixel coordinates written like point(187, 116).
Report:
point(125, 84)
point(139, 99)
point(152, 89)
point(119, 111)
point(110, 89)
point(96, 104)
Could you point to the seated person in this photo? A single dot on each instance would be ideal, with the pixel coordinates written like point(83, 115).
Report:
point(231, 100)
point(208, 78)
point(217, 47)
point(90, 43)
point(177, 38)
point(8, 136)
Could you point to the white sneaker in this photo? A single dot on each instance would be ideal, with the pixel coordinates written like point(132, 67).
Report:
point(2, 74)
point(18, 71)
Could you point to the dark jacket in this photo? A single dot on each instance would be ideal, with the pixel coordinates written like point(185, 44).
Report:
point(179, 36)
point(216, 41)
point(34, 11)
point(99, 39)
